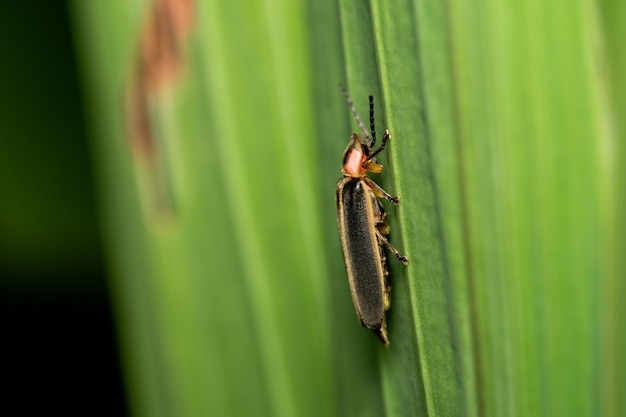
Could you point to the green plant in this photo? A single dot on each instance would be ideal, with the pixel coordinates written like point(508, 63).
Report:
point(505, 124)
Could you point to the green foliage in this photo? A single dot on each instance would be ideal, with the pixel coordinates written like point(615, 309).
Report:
point(505, 153)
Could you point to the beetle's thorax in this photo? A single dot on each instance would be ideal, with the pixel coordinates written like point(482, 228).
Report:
point(353, 158)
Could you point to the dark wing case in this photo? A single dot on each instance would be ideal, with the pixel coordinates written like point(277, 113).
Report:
point(357, 228)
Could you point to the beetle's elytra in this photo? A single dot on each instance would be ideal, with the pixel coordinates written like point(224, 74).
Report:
point(362, 226)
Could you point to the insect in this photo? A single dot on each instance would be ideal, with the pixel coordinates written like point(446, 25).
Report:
point(362, 226)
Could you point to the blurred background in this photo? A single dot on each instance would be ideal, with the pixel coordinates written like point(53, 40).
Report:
point(168, 242)
point(58, 341)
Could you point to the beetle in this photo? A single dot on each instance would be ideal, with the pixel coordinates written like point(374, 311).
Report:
point(362, 225)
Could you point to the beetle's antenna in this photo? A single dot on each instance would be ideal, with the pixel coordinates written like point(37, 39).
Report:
point(354, 112)
point(372, 125)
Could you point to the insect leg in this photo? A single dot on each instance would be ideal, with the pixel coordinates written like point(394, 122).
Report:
point(372, 166)
point(400, 258)
point(386, 137)
point(383, 228)
point(379, 192)
point(380, 215)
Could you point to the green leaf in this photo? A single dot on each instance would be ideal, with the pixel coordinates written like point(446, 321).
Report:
point(226, 271)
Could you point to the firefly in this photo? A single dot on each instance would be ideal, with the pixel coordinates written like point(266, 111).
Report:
point(363, 229)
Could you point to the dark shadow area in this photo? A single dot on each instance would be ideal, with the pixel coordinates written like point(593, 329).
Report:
point(59, 345)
